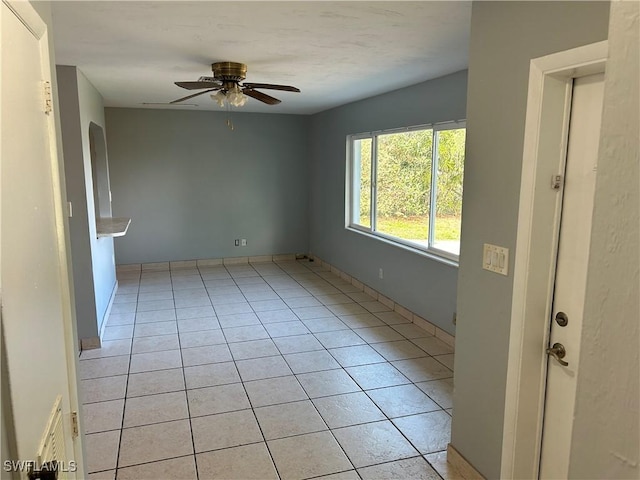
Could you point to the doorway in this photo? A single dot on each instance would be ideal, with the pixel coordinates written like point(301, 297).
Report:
point(571, 274)
point(549, 107)
point(38, 331)
point(99, 172)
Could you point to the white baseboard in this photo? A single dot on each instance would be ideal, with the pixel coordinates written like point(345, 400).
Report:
point(108, 311)
point(405, 312)
point(205, 262)
point(462, 465)
point(96, 342)
point(90, 343)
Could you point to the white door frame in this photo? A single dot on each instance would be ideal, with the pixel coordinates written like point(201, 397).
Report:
point(30, 18)
point(545, 144)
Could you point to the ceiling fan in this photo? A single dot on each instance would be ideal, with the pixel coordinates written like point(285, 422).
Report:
point(226, 82)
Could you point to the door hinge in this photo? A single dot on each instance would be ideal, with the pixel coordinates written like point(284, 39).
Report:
point(48, 102)
point(557, 181)
point(75, 430)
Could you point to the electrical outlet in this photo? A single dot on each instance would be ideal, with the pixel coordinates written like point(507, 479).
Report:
point(237, 242)
point(244, 242)
point(380, 274)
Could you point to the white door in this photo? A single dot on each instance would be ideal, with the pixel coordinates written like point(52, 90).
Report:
point(571, 274)
point(37, 315)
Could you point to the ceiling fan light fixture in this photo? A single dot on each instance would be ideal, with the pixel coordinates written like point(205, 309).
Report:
point(236, 98)
point(220, 98)
point(233, 97)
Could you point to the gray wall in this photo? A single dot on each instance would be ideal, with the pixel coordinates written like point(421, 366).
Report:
point(425, 286)
point(608, 391)
point(85, 301)
point(192, 186)
point(505, 36)
point(93, 263)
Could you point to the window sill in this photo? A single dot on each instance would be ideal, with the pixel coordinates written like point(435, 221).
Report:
point(430, 254)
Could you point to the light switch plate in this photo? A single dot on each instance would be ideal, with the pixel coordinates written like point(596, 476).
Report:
point(495, 259)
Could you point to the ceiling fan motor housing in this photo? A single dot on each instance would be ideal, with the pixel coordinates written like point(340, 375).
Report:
point(229, 71)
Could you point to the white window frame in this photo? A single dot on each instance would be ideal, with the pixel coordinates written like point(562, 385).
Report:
point(429, 250)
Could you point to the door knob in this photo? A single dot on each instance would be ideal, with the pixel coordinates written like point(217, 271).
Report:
point(558, 352)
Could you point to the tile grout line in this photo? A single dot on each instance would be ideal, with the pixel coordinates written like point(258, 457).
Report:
point(313, 403)
point(126, 388)
point(184, 378)
point(316, 408)
point(302, 386)
point(255, 416)
point(313, 295)
point(389, 419)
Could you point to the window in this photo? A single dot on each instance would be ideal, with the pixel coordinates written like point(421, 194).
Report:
point(406, 186)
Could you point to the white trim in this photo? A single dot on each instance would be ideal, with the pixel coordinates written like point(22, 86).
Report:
point(445, 125)
point(32, 21)
point(550, 81)
point(348, 188)
point(433, 254)
point(28, 16)
point(419, 321)
point(203, 262)
point(462, 465)
point(90, 343)
point(373, 200)
point(107, 312)
point(433, 190)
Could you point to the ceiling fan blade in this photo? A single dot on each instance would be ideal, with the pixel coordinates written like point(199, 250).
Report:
point(193, 95)
point(198, 85)
point(270, 86)
point(263, 97)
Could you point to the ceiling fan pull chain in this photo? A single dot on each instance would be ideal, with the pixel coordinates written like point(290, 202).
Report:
point(229, 122)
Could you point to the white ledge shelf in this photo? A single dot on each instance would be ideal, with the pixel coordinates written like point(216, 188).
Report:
point(112, 227)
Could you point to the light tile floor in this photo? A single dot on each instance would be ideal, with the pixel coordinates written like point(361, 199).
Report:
point(257, 371)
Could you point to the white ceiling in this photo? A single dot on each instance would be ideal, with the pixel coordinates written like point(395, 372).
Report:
point(335, 52)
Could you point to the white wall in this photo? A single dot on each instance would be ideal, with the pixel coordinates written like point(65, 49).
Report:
point(608, 393)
